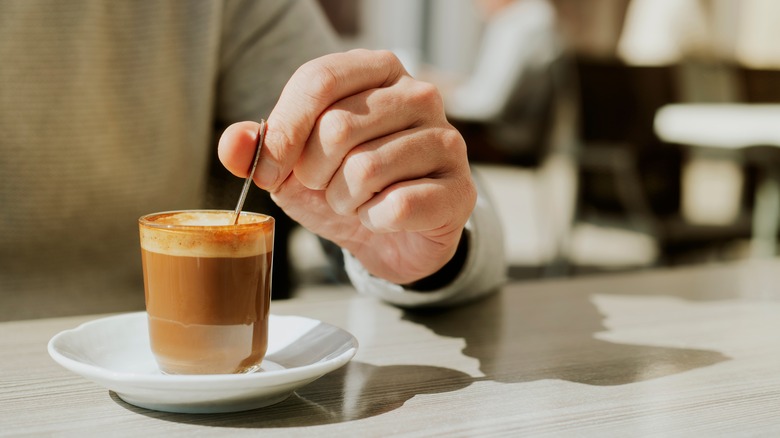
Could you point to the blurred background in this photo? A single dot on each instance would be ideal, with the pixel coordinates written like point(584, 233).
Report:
point(612, 134)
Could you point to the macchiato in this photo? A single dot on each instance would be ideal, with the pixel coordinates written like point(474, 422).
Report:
point(208, 289)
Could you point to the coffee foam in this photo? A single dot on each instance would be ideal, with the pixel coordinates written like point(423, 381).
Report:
point(207, 234)
point(206, 218)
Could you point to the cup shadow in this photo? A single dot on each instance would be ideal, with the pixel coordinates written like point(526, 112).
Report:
point(355, 391)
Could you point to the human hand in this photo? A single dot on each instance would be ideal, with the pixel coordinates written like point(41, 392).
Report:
point(360, 153)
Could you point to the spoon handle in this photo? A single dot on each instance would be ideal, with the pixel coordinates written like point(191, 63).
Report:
point(248, 180)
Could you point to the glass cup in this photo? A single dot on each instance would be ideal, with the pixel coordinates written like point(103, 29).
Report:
point(207, 285)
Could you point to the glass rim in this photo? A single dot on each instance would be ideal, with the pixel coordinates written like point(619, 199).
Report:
point(144, 220)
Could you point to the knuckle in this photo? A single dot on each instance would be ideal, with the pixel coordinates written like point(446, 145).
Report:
point(453, 141)
point(335, 128)
point(450, 144)
point(427, 95)
point(317, 80)
point(282, 137)
point(337, 204)
point(284, 144)
point(387, 57)
point(309, 179)
point(401, 207)
point(383, 57)
point(386, 60)
point(361, 168)
point(470, 194)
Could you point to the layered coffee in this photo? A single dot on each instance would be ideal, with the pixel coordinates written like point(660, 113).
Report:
point(208, 289)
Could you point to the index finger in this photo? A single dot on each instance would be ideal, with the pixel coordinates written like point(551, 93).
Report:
point(314, 87)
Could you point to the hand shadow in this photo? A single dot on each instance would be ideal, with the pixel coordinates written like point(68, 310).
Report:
point(520, 336)
point(355, 391)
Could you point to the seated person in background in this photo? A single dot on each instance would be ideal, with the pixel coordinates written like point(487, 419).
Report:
point(504, 107)
point(112, 110)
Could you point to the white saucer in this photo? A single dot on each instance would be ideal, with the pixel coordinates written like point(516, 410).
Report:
point(114, 352)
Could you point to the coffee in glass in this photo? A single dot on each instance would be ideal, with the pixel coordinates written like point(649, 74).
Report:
point(207, 284)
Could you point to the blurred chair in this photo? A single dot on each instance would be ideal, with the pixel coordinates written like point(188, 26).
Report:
point(627, 177)
point(625, 169)
point(630, 173)
point(753, 131)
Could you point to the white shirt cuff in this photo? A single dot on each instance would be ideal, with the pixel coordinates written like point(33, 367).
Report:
point(483, 271)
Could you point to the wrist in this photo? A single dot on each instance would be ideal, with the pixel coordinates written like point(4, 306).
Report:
point(447, 273)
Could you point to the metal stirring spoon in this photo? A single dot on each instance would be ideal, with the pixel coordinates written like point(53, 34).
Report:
point(248, 181)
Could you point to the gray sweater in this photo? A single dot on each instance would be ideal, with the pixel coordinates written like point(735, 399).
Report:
point(110, 110)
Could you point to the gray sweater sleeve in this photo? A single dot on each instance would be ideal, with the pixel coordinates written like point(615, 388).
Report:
point(483, 271)
point(261, 46)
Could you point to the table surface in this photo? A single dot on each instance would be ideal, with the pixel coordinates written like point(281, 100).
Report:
point(687, 352)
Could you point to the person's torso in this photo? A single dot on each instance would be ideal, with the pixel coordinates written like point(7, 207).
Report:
point(105, 114)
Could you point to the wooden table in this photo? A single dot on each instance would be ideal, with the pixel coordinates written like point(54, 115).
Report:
point(689, 352)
